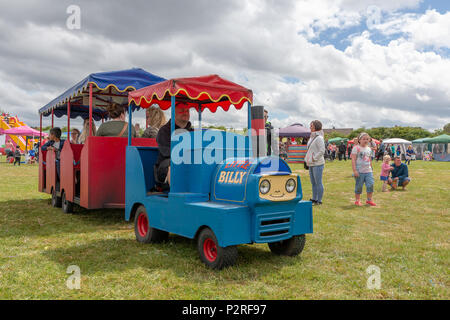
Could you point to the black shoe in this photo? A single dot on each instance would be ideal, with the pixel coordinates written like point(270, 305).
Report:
point(313, 201)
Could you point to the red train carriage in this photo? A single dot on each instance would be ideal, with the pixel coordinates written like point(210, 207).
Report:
point(92, 175)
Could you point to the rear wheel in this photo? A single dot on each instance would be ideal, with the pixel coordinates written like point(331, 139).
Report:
point(56, 201)
point(67, 206)
point(214, 256)
point(143, 231)
point(290, 247)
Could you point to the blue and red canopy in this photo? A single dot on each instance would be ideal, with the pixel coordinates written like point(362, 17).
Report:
point(107, 87)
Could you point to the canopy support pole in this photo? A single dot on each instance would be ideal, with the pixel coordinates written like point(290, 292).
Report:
point(172, 111)
point(199, 116)
point(172, 130)
point(69, 136)
point(40, 132)
point(90, 110)
point(249, 129)
point(52, 118)
point(130, 118)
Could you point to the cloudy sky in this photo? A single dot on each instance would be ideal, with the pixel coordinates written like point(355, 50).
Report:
point(348, 63)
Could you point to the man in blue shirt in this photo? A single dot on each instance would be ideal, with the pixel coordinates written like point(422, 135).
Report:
point(399, 174)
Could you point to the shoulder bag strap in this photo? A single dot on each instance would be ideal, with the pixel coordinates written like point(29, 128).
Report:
point(125, 126)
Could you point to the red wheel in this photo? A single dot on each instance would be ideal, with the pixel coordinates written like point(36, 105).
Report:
point(142, 224)
point(210, 250)
point(143, 231)
point(213, 255)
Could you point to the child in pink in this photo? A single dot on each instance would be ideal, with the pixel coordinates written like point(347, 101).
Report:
point(385, 171)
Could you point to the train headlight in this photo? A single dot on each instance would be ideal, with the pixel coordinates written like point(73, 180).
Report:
point(290, 185)
point(264, 187)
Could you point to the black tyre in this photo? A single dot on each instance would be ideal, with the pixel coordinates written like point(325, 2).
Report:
point(214, 256)
point(290, 247)
point(56, 201)
point(143, 231)
point(67, 206)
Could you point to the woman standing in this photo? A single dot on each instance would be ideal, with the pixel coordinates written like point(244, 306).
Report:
point(315, 160)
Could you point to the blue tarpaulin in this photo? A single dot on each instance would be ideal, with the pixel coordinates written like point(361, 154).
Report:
point(113, 86)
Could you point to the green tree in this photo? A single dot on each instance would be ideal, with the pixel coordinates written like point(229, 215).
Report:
point(407, 133)
point(334, 134)
point(447, 128)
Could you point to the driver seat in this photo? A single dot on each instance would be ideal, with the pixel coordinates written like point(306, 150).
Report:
point(160, 186)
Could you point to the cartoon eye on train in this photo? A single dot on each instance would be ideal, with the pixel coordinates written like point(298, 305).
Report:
point(224, 199)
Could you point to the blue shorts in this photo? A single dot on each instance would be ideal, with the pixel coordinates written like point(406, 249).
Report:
point(364, 178)
point(384, 178)
point(400, 182)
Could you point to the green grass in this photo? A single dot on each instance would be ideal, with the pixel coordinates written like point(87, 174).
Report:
point(406, 236)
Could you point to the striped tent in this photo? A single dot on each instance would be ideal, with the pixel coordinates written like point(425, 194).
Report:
point(296, 153)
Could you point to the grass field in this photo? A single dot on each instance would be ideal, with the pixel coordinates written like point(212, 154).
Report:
point(406, 236)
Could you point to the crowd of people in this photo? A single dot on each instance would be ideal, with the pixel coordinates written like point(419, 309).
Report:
point(117, 126)
point(362, 153)
point(343, 150)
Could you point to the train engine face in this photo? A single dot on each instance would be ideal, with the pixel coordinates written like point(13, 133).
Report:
point(255, 181)
point(271, 192)
point(278, 188)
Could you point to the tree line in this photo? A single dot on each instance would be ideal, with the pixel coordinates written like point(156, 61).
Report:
point(407, 133)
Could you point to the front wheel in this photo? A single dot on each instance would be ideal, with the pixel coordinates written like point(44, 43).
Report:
point(143, 231)
point(214, 256)
point(290, 247)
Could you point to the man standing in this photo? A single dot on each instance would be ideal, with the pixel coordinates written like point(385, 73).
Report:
point(381, 149)
point(399, 174)
point(182, 117)
point(17, 156)
point(271, 145)
point(342, 150)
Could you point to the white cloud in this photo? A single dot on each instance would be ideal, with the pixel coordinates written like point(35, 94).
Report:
point(431, 29)
point(259, 45)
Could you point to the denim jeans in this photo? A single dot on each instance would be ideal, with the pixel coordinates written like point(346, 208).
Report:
point(366, 178)
point(315, 175)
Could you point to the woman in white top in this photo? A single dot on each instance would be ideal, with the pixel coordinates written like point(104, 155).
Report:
point(315, 160)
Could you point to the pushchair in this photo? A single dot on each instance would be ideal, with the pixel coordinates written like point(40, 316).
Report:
point(327, 155)
point(9, 156)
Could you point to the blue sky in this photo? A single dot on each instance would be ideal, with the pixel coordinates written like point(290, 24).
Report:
point(340, 38)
